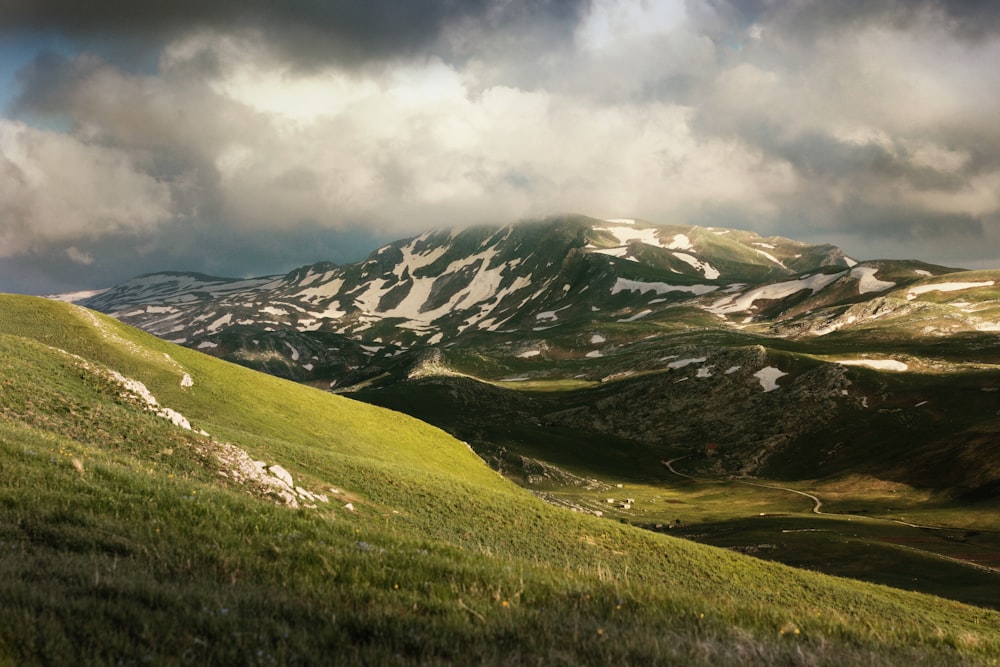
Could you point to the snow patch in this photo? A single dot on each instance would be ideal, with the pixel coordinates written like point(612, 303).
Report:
point(529, 354)
point(768, 377)
point(74, 297)
point(680, 242)
point(637, 316)
point(681, 363)
point(595, 354)
point(707, 270)
point(549, 315)
point(626, 235)
point(867, 282)
point(914, 292)
point(743, 302)
point(597, 339)
point(769, 255)
point(221, 322)
point(205, 344)
point(326, 290)
point(877, 364)
point(621, 253)
point(625, 285)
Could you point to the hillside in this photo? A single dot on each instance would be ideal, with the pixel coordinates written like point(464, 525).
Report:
point(623, 312)
point(323, 322)
point(138, 527)
point(574, 353)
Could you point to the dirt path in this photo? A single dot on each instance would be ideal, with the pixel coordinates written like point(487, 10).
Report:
point(670, 467)
point(817, 509)
point(817, 503)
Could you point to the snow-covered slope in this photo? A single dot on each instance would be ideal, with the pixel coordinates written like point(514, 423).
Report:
point(326, 322)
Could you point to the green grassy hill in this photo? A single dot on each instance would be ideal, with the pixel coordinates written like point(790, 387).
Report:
point(125, 538)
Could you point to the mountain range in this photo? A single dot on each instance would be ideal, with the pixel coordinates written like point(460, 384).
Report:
point(444, 288)
point(773, 351)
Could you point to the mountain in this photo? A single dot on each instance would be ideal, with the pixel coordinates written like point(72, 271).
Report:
point(346, 324)
point(159, 505)
point(574, 354)
point(625, 310)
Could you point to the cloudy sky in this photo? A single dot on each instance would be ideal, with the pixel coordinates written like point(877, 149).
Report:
point(247, 137)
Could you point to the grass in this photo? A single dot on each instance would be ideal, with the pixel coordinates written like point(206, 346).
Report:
point(580, 469)
point(860, 535)
point(121, 542)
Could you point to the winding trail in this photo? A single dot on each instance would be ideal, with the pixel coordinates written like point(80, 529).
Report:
point(670, 467)
point(817, 509)
point(817, 503)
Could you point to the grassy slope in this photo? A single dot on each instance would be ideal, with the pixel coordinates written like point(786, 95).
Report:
point(121, 541)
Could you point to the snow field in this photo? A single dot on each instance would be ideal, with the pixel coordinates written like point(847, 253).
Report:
point(625, 285)
point(914, 292)
point(743, 302)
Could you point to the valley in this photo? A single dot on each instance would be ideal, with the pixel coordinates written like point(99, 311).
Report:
point(596, 349)
point(160, 503)
point(677, 415)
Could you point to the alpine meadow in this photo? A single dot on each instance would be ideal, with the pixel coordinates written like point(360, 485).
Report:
point(548, 333)
point(562, 442)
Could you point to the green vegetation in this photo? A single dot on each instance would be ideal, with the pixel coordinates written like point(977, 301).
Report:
point(925, 439)
point(121, 541)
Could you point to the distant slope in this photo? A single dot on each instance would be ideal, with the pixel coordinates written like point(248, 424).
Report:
point(128, 536)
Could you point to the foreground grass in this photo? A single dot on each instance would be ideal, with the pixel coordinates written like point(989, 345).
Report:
point(121, 542)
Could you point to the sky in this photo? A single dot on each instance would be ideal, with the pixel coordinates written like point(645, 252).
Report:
point(249, 137)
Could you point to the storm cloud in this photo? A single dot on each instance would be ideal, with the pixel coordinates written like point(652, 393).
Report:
point(267, 135)
point(307, 33)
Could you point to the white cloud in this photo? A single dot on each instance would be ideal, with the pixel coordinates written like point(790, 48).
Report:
point(410, 145)
point(612, 24)
point(79, 256)
point(54, 187)
point(676, 112)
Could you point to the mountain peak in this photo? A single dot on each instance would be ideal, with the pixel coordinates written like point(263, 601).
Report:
point(556, 274)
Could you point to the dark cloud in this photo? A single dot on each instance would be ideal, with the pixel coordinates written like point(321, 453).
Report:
point(957, 240)
point(252, 136)
point(808, 20)
point(308, 32)
point(819, 157)
point(220, 250)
